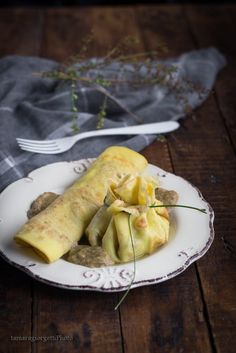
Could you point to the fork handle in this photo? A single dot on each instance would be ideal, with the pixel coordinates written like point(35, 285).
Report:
point(153, 128)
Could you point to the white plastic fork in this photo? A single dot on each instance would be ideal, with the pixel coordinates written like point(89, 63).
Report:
point(64, 144)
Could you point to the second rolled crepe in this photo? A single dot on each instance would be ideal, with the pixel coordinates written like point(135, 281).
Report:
point(53, 231)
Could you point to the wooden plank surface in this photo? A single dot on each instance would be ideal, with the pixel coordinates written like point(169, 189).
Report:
point(214, 26)
point(217, 169)
point(194, 312)
point(65, 30)
point(15, 310)
point(198, 154)
point(213, 171)
point(83, 321)
point(20, 33)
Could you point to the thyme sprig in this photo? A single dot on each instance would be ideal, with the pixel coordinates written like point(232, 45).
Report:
point(74, 107)
point(102, 114)
point(77, 69)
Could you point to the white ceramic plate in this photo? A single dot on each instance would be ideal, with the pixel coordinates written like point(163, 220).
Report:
point(192, 236)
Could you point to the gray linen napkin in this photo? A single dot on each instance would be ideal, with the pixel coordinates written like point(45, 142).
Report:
point(39, 108)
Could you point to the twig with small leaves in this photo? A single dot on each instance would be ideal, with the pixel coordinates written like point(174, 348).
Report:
point(78, 69)
point(102, 114)
point(74, 107)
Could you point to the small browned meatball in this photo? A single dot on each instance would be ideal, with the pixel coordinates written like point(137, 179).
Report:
point(42, 202)
point(167, 197)
point(89, 256)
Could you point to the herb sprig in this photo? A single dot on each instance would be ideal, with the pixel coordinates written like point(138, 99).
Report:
point(78, 69)
point(203, 210)
point(134, 263)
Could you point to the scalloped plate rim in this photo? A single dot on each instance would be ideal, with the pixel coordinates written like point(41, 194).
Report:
point(189, 260)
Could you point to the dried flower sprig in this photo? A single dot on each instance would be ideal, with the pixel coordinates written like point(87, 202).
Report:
point(102, 114)
point(74, 107)
point(148, 72)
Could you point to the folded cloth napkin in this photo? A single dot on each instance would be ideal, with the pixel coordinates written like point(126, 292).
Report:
point(40, 108)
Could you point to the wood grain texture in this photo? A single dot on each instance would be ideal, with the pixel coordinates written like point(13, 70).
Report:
point(204, 157)
point(164, 25)
point(194, 312)
point(165, 317)
point(215, 159)
point(15, 310)
point(65, 30)
point(214, 26)
point(20, 31)
point(83, 321)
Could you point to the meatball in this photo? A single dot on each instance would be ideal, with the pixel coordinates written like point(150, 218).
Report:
point(42, 202)
point(89, 256)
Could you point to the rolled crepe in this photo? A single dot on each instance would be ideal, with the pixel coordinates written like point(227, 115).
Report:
point(53, 231)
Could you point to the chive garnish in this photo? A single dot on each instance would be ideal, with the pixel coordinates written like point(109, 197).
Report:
point(134, 263)
point(203, 210)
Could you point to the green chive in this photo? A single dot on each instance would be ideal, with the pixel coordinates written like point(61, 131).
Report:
point(203, 210)
point(134, 263)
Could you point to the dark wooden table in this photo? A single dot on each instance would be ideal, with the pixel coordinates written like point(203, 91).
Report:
point(194, 312)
